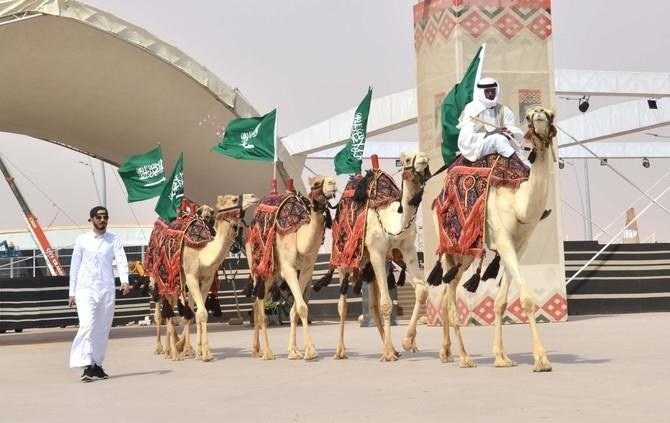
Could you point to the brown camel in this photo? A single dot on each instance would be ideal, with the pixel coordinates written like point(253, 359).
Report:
point(295, 255)
point(198, 270)
point(511, 217)
point(389, 228)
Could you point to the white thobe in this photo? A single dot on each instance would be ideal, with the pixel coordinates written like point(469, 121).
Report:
point(92, 285)
point(472, 140)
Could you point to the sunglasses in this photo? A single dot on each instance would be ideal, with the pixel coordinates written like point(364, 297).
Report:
point(101, 217)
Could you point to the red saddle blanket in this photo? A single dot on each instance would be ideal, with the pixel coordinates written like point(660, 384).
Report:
point(461, 205)
point(163, 257)
point(350, 220)
point(275, 214)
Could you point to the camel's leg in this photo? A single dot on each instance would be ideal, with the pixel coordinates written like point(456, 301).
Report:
point(420, 295)
point(373, 308)
point(308, 344)
point(202, 350)
point(445, 351)
point(510, 260)
point(184, 344)
point(340, 351)
point(464, 361)
point(379, 265)
point(501, 359)
point(255, 341)
point(293, 352)
point(291, 277)
point(266, 353)
point(157, 320)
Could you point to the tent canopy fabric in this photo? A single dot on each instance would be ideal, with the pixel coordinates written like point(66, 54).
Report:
point(77, 76)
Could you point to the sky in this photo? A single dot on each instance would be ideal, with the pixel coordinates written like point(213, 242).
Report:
point(315, 59)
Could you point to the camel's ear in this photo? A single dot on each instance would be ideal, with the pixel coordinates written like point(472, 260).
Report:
point(311, 180)
point(403, 157)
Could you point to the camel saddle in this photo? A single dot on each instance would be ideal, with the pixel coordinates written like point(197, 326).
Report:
point(461, 205)
point(163, 256)
point(276, 214)
point(377, 189)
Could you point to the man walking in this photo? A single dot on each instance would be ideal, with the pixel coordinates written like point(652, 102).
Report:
point(92, 291)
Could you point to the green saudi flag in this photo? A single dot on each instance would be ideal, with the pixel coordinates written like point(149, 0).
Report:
point(250, 138)
point(173, 192)
point(143, 175)
point(454, 103)
point(349, 159)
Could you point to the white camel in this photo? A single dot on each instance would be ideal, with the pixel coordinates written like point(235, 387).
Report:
point(198, 269)
point(511, 217)
point(388, 228)
point(295, 255)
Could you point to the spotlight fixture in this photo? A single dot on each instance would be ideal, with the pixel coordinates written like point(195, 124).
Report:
point(584, 104)
point(561, 163)
point(603, 162)
point(645, 163)
point(652, 104)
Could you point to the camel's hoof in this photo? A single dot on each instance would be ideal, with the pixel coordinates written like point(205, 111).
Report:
point(207, 357)
point(340, 354)
point(268, 355)
point(294, 354)
point(389, 357)
point(188, 353)
point(177, 358)
point(542, 365)
point(311, 354)
point(504, 361)
point(446, 357)
point(159, 350)
point(409, 344)
point(466, 363)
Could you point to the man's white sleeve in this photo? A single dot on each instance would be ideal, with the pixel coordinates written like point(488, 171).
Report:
point(75, 263)
point(469, 141)
point(121, 261)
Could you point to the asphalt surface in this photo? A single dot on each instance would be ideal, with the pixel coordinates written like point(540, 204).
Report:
point(605, 369)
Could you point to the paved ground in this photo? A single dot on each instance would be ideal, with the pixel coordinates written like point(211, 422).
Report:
point(606, 369)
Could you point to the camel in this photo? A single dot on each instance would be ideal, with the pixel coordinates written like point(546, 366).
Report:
point(198, 270)
point(387, 228)
point(295, 255)
point(511, 217)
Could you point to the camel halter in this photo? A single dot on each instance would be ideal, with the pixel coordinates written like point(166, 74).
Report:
point(319, 200)
point(547, 140)
point(231, 212)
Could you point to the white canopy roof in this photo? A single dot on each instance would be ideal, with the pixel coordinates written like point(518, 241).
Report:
point(74, 75)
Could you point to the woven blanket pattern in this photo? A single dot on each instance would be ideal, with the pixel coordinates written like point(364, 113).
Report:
point(350, 220)
point(276, 214)
point(461, 205)
point(163, 258)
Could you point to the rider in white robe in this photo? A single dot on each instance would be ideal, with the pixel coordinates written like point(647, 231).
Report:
point(499, 134)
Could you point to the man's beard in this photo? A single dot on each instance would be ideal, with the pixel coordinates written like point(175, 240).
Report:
point(101, 226)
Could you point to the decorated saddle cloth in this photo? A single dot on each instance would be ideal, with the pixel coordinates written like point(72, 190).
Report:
point(163, 256)
point(461, 205)
point(350, 220)
point(276, 214)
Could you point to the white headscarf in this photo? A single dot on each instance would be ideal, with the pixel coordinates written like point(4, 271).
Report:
point(479, 92)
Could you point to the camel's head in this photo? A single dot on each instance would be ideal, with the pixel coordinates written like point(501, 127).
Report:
point(540, 125)
point(323, 185)
point(415, 163)
point(205, 212)
point(229, 206)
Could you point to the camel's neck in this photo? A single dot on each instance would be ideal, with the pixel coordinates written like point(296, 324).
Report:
point(531, 203)
point(412, 189)
point(225, 235)
point(310, 236)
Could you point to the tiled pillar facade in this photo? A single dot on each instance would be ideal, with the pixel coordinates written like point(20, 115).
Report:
point(517, 34)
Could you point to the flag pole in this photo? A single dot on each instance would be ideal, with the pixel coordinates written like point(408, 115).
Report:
point(274, 161)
